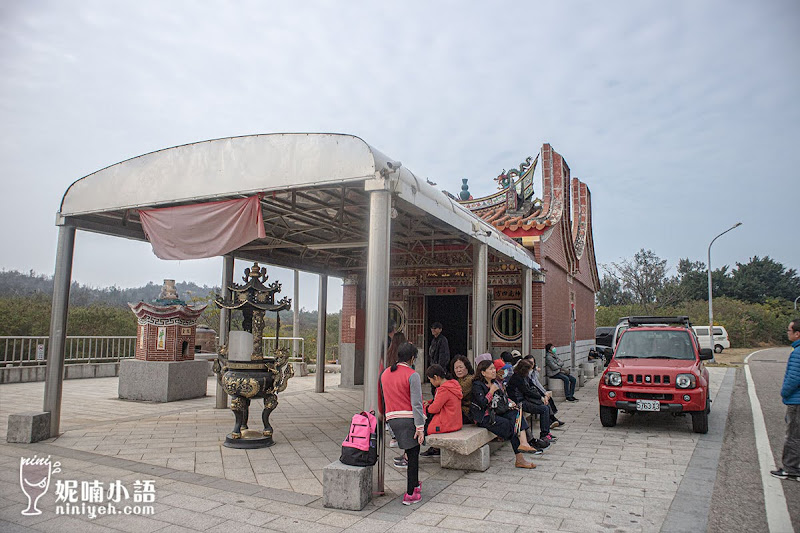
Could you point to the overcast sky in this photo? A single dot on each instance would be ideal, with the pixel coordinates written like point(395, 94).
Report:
point(682, 117)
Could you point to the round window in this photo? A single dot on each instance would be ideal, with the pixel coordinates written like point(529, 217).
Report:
point(507, 322)
point(397, 316)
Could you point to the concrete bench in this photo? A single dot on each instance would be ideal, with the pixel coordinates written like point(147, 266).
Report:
point(465, 449)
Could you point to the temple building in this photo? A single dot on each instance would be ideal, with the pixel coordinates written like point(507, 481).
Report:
point(539, 205)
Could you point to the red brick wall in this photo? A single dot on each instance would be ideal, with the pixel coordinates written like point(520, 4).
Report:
point(172, 346)
point(349, 301)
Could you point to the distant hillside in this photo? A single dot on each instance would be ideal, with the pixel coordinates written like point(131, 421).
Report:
point(18, 284)
point(25, 301)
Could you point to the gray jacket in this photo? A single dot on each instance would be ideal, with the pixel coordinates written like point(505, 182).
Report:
point(553, 365)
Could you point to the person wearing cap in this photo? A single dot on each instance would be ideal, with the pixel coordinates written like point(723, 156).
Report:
point(504, 367)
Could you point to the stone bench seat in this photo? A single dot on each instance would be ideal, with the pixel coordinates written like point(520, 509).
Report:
point(465, 449)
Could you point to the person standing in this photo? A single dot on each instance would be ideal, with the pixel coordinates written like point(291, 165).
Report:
point(556, 369)
point(790, 393)
point(439, 350)
point(401, 388)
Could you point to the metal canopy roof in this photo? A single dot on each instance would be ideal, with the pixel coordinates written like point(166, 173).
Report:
point(315, 207)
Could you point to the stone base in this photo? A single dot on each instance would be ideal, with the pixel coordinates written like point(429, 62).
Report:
point(599, 365)
point(477, 461)
point(156, 381)
point(557, 386)
point(300, 369)
point(588, 370)
point(249, 440)
point(28, 427)
point(346, 487)
point(580, 377)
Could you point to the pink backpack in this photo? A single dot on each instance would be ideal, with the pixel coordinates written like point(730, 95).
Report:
point(360, 448)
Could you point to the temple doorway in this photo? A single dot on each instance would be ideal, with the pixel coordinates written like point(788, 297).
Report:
point(453, 313)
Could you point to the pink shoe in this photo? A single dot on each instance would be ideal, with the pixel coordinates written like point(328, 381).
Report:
point(418, 490)
point(410, 499)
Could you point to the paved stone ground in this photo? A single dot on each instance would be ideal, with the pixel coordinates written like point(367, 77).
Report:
point(593, 479)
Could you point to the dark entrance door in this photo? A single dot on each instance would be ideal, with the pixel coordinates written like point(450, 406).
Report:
point(453, 313)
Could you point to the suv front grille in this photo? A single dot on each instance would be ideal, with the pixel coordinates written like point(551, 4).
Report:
point(647, 379)
point(648, 396)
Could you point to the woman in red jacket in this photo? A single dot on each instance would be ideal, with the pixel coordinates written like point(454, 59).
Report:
point(444, 412)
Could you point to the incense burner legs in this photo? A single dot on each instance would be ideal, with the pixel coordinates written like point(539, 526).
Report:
point(243, 386)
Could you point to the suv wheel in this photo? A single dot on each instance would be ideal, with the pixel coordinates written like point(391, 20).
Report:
point(700, 420)
point(718, 348)
point(608, 416)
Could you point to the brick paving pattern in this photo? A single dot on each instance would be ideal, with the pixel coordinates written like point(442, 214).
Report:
point(593, 479)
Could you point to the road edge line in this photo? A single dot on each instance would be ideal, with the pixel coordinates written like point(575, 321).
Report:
point(778, 519)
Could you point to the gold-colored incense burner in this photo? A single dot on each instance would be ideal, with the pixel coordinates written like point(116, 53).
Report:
point(266, 370)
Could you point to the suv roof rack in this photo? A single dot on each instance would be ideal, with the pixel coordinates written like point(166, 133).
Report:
point(652, 320)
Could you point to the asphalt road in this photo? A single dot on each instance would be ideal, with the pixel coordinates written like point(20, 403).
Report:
point(738, 500)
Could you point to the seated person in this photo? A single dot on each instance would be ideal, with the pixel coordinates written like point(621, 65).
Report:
point(491, 409)
point(504, 367)
point(530, 398)
point(462, 370)
point(556, 369)
point(547, 396)
point(444, 412)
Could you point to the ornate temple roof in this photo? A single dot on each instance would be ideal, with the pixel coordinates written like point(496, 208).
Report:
point(185, 312)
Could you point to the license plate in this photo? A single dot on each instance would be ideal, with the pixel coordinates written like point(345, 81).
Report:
point(648, 405)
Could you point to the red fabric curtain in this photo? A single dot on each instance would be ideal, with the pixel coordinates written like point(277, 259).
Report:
point(203, 230)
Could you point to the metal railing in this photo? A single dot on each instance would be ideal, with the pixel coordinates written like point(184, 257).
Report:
point(286, 343)
point(32, 350)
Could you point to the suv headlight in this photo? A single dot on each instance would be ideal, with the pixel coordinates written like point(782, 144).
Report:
point(613, 378)
point(685, 381)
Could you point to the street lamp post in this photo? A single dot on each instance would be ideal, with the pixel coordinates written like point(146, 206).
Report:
point(710, 292)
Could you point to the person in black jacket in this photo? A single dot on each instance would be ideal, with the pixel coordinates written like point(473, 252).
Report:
point(546, 395)
point(491, 409)
point(529, 397)
point(439, 350)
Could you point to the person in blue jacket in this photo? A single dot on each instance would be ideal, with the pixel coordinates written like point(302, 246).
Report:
point(790, 392)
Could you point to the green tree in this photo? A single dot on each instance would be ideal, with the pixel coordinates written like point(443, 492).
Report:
point(643, 277)
point(760, 279)
point(611, 292)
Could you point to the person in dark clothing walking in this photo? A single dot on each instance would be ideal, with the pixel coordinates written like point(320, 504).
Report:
point(439, 350)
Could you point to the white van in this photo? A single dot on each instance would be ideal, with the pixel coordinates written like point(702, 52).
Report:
point(720, 338)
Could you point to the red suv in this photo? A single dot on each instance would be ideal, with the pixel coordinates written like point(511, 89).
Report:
point(657, 366)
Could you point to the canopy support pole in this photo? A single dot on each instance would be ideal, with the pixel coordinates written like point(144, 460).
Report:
point(62, 279)
point(322, 322)
point(527, 310)
point(377, 318)
point(480, 292)
point(224, 322)
point(296, 317)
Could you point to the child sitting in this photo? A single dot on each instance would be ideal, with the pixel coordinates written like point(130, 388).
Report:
point(444, 412)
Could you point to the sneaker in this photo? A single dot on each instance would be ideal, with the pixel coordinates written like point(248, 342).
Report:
point(411, 499)
point(550, 438)
point(783, 474)
point(418, 490)
point(558, 423)
point(393, 443)
point(431, 452)
point(400, 462)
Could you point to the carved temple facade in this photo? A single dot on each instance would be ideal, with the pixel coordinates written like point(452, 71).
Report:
point(541, 206)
